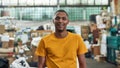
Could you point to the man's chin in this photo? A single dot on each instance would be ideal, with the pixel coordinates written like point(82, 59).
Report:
point(60, 30)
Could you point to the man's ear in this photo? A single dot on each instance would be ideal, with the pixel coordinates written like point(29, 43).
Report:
point(68, 22)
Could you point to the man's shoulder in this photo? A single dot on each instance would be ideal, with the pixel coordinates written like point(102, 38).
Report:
point(48, 36)
point(74, 34)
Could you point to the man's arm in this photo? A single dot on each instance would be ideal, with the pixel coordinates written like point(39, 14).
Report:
point(82, 61)
point(41, 62)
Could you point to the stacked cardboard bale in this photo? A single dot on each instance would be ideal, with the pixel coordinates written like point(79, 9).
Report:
point(7, 53)
point(2, 29)
point(7, 48)
point(85, 31)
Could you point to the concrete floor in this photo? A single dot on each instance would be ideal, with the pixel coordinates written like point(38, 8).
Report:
point(91, 63)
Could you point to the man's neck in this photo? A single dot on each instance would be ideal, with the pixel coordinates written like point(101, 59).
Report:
point(61, 34)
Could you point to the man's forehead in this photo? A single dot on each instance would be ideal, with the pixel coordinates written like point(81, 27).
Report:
point(60, 14)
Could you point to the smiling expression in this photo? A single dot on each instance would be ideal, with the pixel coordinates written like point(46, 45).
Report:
point(60, 21)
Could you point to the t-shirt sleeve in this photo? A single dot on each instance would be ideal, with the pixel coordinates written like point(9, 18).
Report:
point(81, 46)
point(40, 51)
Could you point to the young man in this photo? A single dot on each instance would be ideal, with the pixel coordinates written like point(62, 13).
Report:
point(61, 48)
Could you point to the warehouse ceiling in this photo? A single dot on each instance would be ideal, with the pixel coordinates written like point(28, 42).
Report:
point(52, 2)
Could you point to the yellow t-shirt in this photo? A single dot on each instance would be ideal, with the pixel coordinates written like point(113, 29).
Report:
point(61, 52)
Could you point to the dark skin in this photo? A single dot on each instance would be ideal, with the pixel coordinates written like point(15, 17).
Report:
point(61, 21)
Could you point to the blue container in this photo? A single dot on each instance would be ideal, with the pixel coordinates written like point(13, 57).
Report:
point(119, 41)
point(113, 42)
point(111, 55)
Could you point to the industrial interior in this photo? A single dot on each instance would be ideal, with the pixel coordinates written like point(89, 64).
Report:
point(24, 22)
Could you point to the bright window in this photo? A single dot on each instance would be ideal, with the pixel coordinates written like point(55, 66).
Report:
point(52, 2)
point(62, 2)
point(84, 2)
point(104, 2)
point(5, 2)
point(73, 2)
point(23, 2)
point(13, 2)
point(98, 2)
point(90, 2)
point(30, 2)
point(46, 2)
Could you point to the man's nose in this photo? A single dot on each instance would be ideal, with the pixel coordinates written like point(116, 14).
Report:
point(60, 20)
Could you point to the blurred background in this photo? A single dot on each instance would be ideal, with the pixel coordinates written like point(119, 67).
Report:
point(24, 22)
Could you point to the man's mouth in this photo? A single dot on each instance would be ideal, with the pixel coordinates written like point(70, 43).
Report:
point(60, 25)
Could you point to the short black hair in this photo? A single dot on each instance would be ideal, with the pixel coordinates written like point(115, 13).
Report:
point(61, 10)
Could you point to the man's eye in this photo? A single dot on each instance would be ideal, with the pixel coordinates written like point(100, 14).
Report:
point(63, 18)
point(57, 18)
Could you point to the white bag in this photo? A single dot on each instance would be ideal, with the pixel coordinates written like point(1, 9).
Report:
point(20, 63)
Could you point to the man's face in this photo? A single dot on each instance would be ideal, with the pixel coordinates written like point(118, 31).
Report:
point(60, 21)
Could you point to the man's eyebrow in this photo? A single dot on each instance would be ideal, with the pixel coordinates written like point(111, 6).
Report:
point(61, 16)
